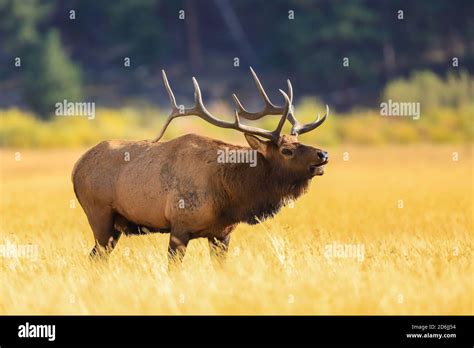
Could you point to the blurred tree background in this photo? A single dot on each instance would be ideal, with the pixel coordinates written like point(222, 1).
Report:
point(348, 54)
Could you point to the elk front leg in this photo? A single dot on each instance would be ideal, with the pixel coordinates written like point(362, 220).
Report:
point(177, 247)
point(218, 247)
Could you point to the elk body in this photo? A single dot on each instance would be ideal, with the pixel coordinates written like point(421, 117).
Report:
point(179, 187)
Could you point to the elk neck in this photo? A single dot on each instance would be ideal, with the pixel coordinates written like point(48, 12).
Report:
point(256, 193)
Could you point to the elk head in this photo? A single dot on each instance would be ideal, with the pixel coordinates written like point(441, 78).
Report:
point(284, 152)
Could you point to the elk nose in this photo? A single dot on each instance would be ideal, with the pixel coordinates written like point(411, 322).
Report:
point(323, 155)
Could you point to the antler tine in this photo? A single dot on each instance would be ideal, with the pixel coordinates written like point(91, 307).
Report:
point(285, 115)
point(200, 110)
point(169, 91)
point(261, 90)
point(299, 129)
point(238, 104)
point(268, 109)
point(174, 107)
point(290, 89)
point(275, 134)
point(291, 116)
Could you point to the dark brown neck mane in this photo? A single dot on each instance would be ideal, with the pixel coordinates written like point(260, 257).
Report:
point(259, 192)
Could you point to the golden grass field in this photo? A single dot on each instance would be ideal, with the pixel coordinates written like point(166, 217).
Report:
point(417, 260)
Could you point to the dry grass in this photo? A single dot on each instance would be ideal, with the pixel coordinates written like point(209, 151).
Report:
point(417, 258)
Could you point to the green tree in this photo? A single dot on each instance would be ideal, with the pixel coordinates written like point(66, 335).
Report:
point(19, 21)
point(50, 77)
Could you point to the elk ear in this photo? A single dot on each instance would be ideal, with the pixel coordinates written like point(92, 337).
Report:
point(256, 143)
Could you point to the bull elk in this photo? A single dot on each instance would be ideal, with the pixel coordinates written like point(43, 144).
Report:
point(178, 186)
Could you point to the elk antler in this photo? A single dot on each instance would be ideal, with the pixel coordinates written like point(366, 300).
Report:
point(298, 128)
point(200, 110)
point(271, 109)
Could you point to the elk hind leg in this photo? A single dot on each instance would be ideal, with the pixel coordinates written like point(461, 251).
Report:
point(105, 234)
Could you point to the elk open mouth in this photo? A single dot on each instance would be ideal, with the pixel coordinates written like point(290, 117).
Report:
point(317, 169)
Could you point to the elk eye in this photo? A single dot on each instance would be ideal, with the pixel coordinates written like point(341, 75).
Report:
point(286, 152)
